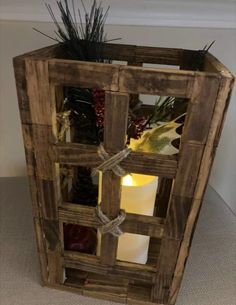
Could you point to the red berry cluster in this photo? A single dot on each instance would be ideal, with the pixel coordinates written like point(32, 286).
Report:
point(99, 98)
point(79, 238)
point(139, 124)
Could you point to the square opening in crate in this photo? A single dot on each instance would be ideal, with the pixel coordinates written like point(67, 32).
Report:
point(80, 114)
point(78, 186)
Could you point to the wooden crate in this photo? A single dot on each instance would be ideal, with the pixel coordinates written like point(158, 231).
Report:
point(40, 76)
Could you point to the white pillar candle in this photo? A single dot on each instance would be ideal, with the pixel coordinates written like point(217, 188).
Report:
point(138, 193)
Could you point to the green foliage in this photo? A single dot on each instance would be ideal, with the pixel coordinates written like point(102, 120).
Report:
point(81, 39)
point(158, 140)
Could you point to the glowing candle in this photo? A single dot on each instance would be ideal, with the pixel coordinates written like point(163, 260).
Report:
point(138, 193)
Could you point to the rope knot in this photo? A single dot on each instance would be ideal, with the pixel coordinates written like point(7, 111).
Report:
point(111, 163)
point(110, 226)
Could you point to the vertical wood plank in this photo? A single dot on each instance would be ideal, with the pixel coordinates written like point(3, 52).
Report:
point(200, 109)
point(194, 137)
point(116, 116)
point(163, 196)
point(206, 164)
point(134, 98)
point(44, 132)
point(21, 89)
point(23, 102)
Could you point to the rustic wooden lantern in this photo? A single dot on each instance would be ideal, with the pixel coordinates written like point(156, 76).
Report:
point(40, 75)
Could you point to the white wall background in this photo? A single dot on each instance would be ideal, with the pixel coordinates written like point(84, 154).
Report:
point(17, 37)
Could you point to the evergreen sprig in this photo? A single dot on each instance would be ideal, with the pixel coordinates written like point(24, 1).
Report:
point(81, 39)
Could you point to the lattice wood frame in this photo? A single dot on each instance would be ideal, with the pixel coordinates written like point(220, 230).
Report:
point(39, 75)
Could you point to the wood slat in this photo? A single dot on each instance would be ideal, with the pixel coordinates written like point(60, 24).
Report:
point(188, 166)
point(43, 116)
point(136, 162)
point(212, 64)
point(163, 196)
point(145, 54)
point(203, 176)
point(166, 266)
point(91, 263)
point(134, 223)
point(139, 294)
point(90, 284)
point(115, 122)
point(166, 82)
point(161, 56)
point(138, 297)
point(41, 247)
point(200, 108)
point(31, 170)
point(38, 88)
point(84, 74)
point(21, 89)
point(190, 158)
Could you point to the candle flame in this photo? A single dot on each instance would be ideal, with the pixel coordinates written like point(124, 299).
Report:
point(127, 180)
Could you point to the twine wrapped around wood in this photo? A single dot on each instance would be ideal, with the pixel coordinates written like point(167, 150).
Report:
point(111, 163)
point(110, 226)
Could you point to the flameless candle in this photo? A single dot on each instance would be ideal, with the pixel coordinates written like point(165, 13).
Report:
point(138, 193)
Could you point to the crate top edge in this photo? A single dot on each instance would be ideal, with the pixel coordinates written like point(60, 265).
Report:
point(49, 53)
point(55, 63)
point(53, 47)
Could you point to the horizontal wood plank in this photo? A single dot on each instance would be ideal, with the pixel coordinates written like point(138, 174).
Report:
point(137, 162)
point(165, 82)
point(84, 74)
point(132, 53)
point(91, 263)
point(134, 223)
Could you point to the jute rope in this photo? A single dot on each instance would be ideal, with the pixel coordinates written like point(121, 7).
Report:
point(111, 163)
point(110, 226)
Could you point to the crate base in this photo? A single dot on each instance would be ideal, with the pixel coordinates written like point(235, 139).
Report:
point(130, 297)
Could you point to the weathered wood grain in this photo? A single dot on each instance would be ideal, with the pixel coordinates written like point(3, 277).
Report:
point(116, 117)
point(188, 166)
point(137, 162)
point(153, 250)
point(161, 56)
point(23, 100)
point(212, 64)
point(191, 152)
point(41, 250)
point(138, 294)
point(154, 55)
point(200, 108)
point(166, 266)
point(91, 263)
point(156, 81)
point(136, 224)
point(43, 116)
point(38, 88)
point(163, 196)
point(83, 74)
point(203, 176)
